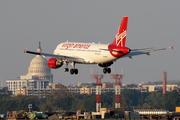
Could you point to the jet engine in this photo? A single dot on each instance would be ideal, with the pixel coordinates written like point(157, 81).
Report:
point(105, 64)
point(54, 63)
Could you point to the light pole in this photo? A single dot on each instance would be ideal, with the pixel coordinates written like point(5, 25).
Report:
point(30, 106)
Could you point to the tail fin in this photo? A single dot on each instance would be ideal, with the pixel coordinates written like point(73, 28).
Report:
point(120, 38)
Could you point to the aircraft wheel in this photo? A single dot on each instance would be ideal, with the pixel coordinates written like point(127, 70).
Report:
point(66, 69)
point(72, 71)
point(104, 70)
point(76, 71)
point(109, 70)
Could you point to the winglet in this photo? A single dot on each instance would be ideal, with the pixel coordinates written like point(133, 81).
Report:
point(172, 47)
point(25, 51)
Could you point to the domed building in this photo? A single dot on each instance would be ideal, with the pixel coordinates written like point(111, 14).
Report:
point(39, 76)
point(39, 67)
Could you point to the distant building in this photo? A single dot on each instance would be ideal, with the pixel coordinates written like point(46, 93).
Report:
point(38, 77)
point(37, 92)
point(55, 86)
point(4, 90)
point(108, 85)
point(159, 86)
point(90, 84)
point(31, 82)
point(90, 90)
point(74, 89)
point(86, 90)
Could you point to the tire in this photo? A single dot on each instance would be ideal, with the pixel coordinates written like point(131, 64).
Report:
point(104, 70)
point(72, 71)
point(66, 69)
point(109, 70)
point(76, 71)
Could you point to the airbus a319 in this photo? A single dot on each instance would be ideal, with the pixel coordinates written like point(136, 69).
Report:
point(90, 53)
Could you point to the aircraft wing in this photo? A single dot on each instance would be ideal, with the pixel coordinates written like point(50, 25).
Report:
point(69, 58)
point(135, 52)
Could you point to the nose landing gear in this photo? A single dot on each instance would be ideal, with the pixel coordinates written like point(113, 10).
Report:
point(66, 69)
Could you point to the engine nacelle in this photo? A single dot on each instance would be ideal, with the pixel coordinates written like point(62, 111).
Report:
point(54, 63)
point(105, 64)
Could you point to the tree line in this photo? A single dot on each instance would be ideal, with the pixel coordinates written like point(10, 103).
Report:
point(64, 100)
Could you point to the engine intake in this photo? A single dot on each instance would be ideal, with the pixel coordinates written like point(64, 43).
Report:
point(105, 64)
point(54, 63)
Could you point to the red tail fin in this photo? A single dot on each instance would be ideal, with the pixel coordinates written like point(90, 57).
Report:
point(120, 38)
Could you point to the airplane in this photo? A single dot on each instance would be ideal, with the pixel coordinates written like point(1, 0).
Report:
point(90, 53)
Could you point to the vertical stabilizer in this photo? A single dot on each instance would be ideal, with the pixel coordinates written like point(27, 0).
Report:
point(120, 38)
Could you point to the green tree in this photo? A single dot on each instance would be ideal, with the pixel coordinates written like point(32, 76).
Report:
point(108, 99)
point(90, 103)
point(171, 100)
point(131, 97)
point(154, 99)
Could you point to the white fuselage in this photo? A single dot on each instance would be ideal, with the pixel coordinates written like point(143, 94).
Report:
point(91, 53)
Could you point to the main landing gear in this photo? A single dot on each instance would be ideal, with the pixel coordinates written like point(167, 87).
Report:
point(73, 70)
point(107, 70)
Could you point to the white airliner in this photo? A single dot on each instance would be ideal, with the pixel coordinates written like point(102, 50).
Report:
point(90, 53)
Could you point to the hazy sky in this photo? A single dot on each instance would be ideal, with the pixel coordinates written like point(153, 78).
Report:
point(151, 24)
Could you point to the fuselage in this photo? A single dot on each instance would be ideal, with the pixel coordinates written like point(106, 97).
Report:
point(91, 53)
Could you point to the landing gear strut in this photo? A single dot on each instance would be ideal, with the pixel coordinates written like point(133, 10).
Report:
point(66, 69)
point(107, 70)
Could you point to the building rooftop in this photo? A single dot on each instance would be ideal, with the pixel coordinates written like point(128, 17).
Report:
point(170, 82)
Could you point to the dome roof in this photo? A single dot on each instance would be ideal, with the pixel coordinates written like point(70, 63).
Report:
point(38, 61)
point(39, 67)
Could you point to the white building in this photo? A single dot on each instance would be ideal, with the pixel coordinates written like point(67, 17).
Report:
point(38, 92)
point(156, 87)
point(38, 77)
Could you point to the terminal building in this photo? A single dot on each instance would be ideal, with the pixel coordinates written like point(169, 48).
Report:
point(39, 75)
